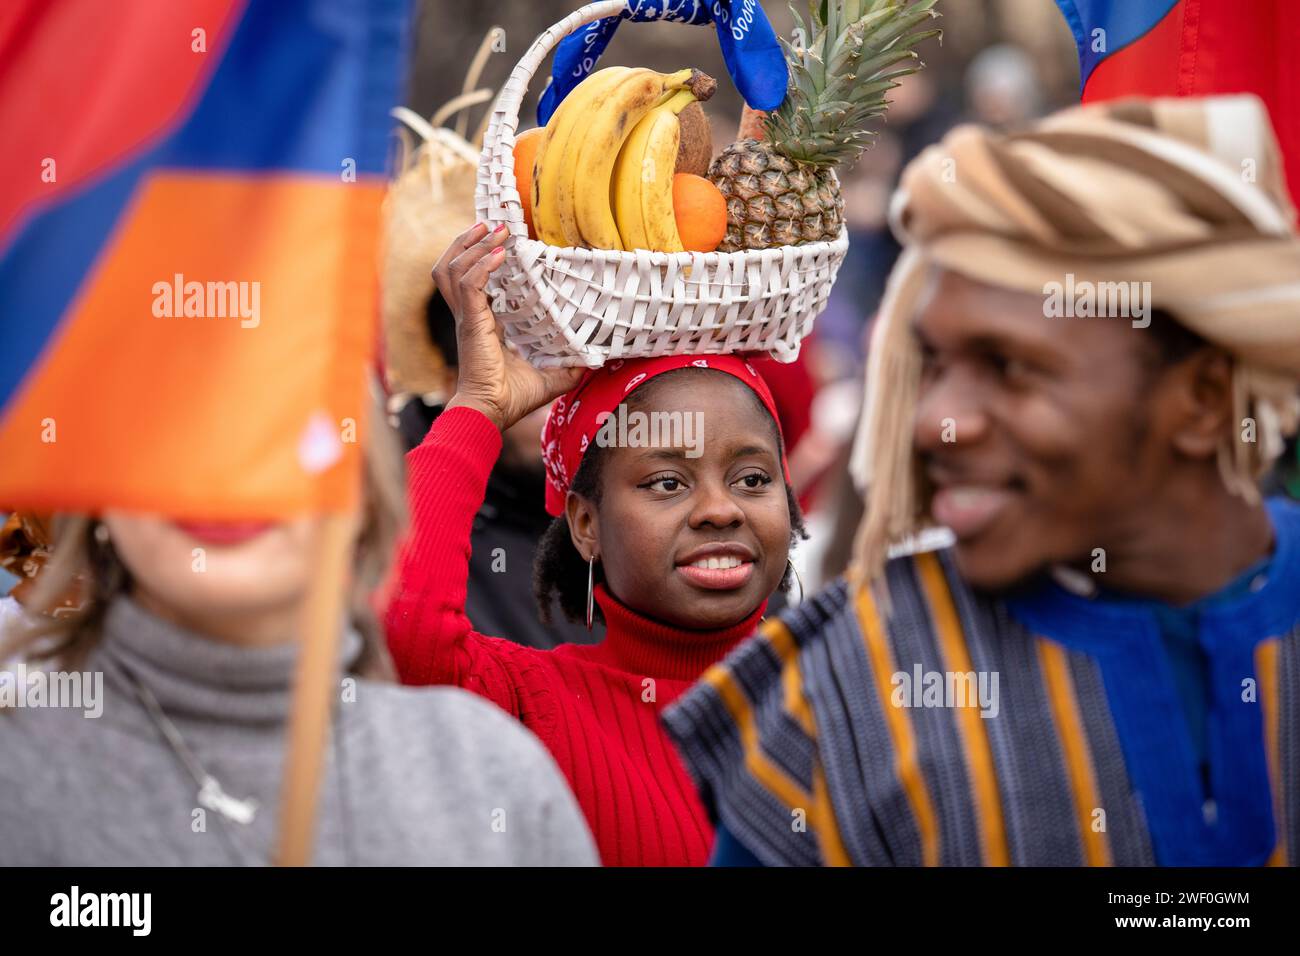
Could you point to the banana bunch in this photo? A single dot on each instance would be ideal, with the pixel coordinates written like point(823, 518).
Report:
point(642, 183)
point(574, 195)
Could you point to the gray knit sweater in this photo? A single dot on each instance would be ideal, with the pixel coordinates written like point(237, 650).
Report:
point(412, 776)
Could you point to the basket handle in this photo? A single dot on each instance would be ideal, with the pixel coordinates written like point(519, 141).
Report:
point(499, 141)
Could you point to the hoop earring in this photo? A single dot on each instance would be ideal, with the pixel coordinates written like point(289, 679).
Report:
point(798, 580)
point(591, 588)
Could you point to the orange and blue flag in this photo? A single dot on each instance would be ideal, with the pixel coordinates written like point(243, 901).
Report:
point(1194, 48)
point(188, 232)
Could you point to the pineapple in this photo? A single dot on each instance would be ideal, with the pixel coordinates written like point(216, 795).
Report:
point(782, 189)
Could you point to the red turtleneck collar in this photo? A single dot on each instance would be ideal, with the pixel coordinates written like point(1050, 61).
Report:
point(638, 645)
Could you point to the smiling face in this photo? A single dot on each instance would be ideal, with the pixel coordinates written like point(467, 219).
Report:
point(1042, 439)
point(695, 535)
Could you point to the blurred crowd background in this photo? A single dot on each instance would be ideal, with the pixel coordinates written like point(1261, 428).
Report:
point(999, 62)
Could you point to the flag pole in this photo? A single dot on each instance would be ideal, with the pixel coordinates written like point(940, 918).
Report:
point(314, 692)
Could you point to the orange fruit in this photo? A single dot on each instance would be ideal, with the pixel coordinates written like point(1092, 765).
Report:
point(526, 144)
point(700, 211)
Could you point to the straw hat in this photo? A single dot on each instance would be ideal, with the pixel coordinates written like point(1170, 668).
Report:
point(430, 201)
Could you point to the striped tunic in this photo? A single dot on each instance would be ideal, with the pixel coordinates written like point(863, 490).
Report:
point(815, 742)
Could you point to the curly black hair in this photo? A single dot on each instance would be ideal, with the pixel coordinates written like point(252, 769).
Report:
point(558, 568)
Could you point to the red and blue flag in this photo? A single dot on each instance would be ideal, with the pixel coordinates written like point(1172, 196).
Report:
point(1194, 48)
point(188, 230)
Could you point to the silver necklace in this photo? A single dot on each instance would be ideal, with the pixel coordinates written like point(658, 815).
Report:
point(211, 795)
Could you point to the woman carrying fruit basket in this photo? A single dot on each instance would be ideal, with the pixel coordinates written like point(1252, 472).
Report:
point(677, 543)
point(677, 552)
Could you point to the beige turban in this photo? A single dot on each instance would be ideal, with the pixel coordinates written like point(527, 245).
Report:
point(1184, 194)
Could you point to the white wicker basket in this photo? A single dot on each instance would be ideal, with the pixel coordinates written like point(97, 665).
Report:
point(573, 306)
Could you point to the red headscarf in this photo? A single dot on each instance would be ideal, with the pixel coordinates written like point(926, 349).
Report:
point(571, 424)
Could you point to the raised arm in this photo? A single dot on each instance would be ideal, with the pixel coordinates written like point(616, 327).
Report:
point(429, 634)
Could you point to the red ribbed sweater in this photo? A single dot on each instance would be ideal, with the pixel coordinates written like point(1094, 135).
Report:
point(595, 707)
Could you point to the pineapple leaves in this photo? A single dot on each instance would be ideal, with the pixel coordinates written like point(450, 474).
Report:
point(800, 28)
point(853, 54)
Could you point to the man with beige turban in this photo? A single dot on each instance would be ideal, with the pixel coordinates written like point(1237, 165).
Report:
point(1087, 357)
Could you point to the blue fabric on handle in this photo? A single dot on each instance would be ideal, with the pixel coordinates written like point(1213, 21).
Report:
point(750, 49)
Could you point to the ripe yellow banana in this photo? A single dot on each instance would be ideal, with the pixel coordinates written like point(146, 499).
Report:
point(553, 197)
point(642, 181)
point(595, 145)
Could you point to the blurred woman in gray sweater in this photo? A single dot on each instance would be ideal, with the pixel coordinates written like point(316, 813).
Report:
point(148, 728)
